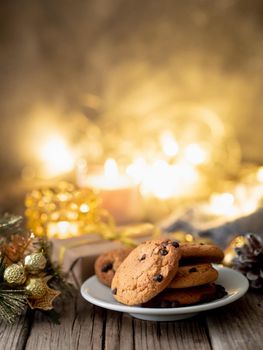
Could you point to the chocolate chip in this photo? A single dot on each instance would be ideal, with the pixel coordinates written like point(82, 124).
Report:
point(114, 291)
point(165, 244)
point(158, 278)
point(175, 244)
point(142, 257)
point(163, 252)
point(193, 269)
point(107, 267)
point(201, 243)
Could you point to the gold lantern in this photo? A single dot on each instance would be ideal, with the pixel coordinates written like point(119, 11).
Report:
point(65, 211)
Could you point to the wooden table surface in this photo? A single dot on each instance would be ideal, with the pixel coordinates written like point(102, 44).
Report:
point(83, 326)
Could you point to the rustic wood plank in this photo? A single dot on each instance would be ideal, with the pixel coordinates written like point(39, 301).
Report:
point(239, 325)
point(119, 331)
point(124, 332)
point(82, 327)
point(14, 337)
point(187, 334)
point(90, 327)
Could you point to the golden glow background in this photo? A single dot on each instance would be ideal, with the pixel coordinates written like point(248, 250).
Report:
point(128, 67)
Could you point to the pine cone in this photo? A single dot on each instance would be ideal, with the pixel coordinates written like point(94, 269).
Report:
point(249, 260)
point(14, 249)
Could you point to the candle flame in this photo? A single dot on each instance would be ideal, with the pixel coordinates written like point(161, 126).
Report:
point(111, 168)
point(137, 170)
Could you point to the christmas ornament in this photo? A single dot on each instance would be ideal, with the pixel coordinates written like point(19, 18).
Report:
point(15, 274)
point(36, 287)
point(18, 246)
point(35, 263)
point(230, 251)
point(46, 302)
point(14, 240)
point(249, 260)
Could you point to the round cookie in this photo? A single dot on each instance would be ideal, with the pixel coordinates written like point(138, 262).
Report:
point(147, 270)
point(200, 253)
point(193, 275)
point(188, 296)
point(107, 263)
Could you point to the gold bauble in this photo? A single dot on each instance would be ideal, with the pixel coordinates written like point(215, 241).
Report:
point(35, 262)
point(36, 287)
point(15, 274)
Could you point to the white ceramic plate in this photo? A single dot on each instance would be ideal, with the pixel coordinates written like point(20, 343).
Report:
point(234, 282)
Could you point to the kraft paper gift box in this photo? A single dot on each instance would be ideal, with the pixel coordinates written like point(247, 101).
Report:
point(77, 255)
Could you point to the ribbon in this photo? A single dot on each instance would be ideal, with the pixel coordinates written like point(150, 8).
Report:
point(122, 234)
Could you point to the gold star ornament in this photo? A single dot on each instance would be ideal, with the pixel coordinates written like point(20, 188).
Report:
point(45, 301)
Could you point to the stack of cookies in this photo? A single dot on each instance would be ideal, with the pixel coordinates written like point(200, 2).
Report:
point(162, 273)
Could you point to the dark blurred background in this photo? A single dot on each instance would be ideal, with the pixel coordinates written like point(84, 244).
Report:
point(121, 59)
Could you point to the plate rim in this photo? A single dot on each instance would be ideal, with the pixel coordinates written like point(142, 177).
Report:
point(169, 311)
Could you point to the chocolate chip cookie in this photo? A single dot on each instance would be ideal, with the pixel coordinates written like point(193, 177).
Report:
point(193, 275)
point(107, 263)
point(147, 270)
point(188, 296)
point(200, 253)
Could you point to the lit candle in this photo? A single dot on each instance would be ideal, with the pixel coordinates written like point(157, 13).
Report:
point(163, 180)
point(111, 179)
point(119, 194)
